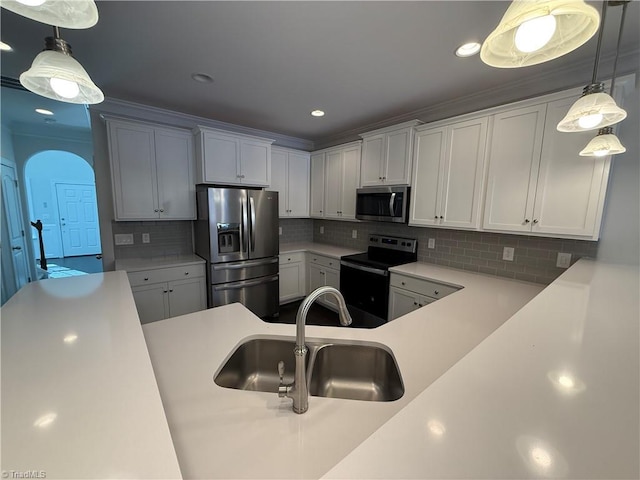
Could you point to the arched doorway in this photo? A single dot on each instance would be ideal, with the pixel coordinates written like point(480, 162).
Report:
point(61, 193)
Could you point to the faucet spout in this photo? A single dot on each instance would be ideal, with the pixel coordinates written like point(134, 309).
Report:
point(298, 391)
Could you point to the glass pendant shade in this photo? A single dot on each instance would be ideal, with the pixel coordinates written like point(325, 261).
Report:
point(60, 77)
point(590, 112)
point(536, 31)
point(605, 143)
point(61, 13)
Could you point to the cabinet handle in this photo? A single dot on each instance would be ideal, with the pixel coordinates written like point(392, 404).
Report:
point(164, 291)
point(535, 220)
point(526, 220)
point(146, 279)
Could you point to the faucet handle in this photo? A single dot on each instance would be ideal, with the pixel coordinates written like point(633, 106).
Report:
point(282, 388)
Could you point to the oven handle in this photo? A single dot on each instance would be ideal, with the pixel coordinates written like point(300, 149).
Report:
point(376, 271)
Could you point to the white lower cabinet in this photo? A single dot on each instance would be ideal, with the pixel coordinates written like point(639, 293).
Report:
point(407, 294)
point(168, 292)
point(293, 280)
point(324, 271)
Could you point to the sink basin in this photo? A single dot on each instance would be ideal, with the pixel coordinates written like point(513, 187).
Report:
point(337, 369)
point(358, 372)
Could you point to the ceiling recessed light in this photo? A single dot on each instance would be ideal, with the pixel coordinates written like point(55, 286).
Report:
point(202, 77)
point(317, 113)
point(5, 47)
point(44, 111)
point(468, 49)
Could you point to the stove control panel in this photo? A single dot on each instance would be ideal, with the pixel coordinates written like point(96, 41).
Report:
point(393, 243)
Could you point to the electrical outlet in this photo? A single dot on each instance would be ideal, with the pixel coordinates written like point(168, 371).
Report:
point(279, 230)
point(507, 253)
point(146, 238)
point(431, 243)
point(354, 233)
point(123, 238)
point(321, 230)
point(564, 260)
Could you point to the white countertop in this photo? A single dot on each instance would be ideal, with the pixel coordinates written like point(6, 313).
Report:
point(79, 398)
point(138, 264)
point(553, 393)
point(318, 248)
point(225, 433)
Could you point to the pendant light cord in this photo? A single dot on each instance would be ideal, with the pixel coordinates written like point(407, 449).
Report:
point(615, 61)
point(594, 78)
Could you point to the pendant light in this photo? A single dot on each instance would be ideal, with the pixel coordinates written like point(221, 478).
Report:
point(606, 143)
point(536, 31)
point(595, 109)
point(63, 13)
point(55, 74)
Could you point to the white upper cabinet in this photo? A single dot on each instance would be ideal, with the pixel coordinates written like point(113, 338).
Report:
point(232, 159)
point(448, 173)
point(387, 155)
point(290, 178)
point(317, 184)
point(342, 176)
point(152, 171)
point(537, 183)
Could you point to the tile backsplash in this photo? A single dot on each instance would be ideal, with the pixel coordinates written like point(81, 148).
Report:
point(296, 230)
point(534, 257)
point(167, 238)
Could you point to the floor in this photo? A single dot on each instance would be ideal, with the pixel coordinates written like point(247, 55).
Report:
point(73, 266)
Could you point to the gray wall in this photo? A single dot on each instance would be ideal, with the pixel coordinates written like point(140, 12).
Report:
point(296, 230)
point(168, 239)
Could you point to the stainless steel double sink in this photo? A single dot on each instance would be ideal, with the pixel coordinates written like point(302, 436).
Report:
point(337, 368)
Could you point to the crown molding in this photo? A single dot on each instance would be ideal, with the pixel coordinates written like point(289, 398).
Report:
point(170, 118)
point(559, 79)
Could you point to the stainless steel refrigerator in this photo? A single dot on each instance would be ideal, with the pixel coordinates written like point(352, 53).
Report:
point(236, 232)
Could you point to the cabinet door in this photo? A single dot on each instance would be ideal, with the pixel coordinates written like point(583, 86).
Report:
point(513, 169)
point(373, 150)
point(187, 296)
point(317, 185)
point(316, 277)
point(401, 302)
point(462, 175)
point(175, 171)
point(133, 170)
point(350, 181)
point(152, 302)
point(331, 279)
point(429, 159)
point(221, 157)
point(291, 282)
point(255, 163)
point(397, 164)
point(279, 180)
point(333, 184)
point(569, 186)
point(298, 185)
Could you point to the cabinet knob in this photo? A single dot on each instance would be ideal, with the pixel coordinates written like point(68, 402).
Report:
point(384, 178)
point(320, 211)
point(436, 292)
point(420, 305)
point(288, 259)
point(535, 220)
point(171, 291)
point(379, 178)
point(526, 220)
point(403, 283)
point(146, 279)
point(186, 273)
point(164, 291)
point(415, 303)
point(156, 210)
point(162, 210)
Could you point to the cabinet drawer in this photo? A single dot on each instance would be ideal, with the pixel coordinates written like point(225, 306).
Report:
point(159, 275)
point(422, 287)
point(291, 258)
point(324, 261)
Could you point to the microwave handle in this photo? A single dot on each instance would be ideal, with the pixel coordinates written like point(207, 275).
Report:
point(392, 201)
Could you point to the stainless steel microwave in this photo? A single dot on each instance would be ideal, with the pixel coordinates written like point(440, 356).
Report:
point(383, 204)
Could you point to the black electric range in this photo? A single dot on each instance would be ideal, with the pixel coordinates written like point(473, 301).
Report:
point(364, 277)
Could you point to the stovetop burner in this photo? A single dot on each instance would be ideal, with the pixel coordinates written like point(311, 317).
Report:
point(385, 252)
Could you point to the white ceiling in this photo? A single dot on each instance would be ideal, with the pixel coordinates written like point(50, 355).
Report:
point(364, 63)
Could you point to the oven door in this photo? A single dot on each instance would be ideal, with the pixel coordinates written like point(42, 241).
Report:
point(365, 288)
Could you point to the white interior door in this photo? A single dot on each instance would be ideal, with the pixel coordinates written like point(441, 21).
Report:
point(78, 219)
point(15, 226)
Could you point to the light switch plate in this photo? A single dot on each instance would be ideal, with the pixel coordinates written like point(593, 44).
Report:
point(431, 243)
point(354, 233)
point(507, 254)
point(146, 238)
point(279, 230)
point(123, 238)
point(564, 260)
point(321, 230)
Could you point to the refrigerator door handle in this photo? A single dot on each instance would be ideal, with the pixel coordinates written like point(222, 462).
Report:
point(245, 284)
point(243, 264)
point(252, 238)
point(245, 226)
